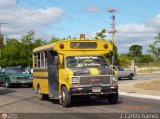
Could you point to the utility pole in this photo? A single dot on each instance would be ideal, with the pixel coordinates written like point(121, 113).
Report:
point(1, 36)
point(113, 31)
point(113, 24)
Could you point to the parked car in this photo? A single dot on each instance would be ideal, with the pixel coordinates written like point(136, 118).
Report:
point(122, 73)
point(15, 75)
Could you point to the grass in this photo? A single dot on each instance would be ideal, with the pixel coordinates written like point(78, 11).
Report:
point(149, 85)
point(147, 69)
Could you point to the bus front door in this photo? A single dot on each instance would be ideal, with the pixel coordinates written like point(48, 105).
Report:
point(53, 75)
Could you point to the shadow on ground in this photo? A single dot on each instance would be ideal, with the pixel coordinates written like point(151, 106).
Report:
point(6, 91)
point(92, 101)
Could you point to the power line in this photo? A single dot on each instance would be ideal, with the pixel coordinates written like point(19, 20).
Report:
point(19, 16)
point(36, 4)
point(17, 12)
point(122, 11)
point(80, 20)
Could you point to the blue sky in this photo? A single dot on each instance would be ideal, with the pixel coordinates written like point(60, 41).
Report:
point(137, 21)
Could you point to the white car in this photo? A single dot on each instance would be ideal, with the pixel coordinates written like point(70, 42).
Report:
point(122, 73)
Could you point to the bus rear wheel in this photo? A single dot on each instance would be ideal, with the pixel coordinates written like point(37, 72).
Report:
point(66, 97)
point(41, 96)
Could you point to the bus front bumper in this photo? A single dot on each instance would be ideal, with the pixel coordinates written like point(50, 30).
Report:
point(103, 90)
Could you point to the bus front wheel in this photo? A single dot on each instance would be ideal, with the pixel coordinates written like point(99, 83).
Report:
point(66, 97)
point(113, 98)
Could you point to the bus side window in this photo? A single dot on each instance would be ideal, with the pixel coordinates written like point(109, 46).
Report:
point(45, 59)
point(38, 60)
point(42, 60)
point(35, 61)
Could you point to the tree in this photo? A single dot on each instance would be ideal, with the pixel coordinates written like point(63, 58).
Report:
point(29, 43)
point(113, 53)
point(124, 60)
point(15, 52)
point(155, 47)
point(54, 39)
point(135, 51)
point(146, 58)
point(100, 35)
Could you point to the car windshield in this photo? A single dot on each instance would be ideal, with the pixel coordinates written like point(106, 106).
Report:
point(120, 68)
point(85, 61)
point(15, 70)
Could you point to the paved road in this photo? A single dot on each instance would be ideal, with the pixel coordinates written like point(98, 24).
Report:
point(23, 100)
point(20, 100)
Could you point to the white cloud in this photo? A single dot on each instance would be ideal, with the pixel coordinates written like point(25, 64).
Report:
point(142, 34)
point(20, 20)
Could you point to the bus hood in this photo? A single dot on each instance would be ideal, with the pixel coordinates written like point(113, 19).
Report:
point(92, 71)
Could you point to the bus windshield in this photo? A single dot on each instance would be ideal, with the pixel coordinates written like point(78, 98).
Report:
point(85, 61)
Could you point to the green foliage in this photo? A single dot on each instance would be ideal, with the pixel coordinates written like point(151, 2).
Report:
point(124, 60)
point(100, 35)
point(146, 58)
point(135, 51)
point(113, 53)
point(155, 47)
point(54, 39)
point(17, 52)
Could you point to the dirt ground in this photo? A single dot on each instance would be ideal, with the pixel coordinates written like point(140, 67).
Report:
point(149, 85)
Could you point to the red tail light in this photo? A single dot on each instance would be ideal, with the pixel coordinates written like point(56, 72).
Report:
point(105, 46)
point(61, 46)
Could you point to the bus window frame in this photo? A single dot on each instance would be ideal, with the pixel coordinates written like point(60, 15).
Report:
point(38, 62)
point(103, 55)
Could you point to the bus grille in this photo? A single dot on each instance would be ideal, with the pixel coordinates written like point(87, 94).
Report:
point(95, 79)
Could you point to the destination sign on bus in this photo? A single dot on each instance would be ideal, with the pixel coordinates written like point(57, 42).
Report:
point(79, 45)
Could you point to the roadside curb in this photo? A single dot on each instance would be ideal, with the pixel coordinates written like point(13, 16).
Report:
point(149, 73)
point(140, 95)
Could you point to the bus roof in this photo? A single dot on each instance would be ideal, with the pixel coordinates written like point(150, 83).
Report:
point(75, 45)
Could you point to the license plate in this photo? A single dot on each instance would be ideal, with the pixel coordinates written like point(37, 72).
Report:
point(96, 89)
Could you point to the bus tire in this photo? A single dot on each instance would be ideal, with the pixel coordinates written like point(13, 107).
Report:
point(66, 97)
point(41, 96)
point(113, 98)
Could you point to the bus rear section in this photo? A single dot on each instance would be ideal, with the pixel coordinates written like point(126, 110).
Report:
point(75, 68)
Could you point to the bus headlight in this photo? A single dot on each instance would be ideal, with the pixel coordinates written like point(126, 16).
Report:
point(75, 79)
point(114, 79)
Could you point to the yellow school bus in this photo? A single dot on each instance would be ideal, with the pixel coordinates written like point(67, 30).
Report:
point(71, 68)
